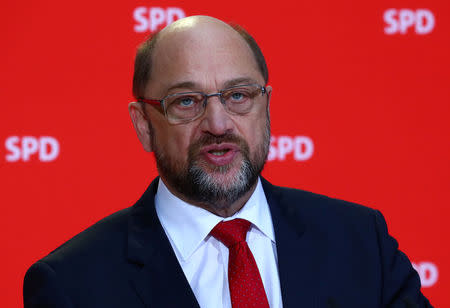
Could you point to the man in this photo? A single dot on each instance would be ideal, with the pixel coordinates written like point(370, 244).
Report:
point(209, 232)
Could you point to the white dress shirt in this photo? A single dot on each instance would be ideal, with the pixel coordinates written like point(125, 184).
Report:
point(204, 259)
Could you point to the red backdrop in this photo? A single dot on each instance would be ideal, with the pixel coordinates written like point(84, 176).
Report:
point(360, 111)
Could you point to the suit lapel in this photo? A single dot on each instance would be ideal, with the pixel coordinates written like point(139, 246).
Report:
point(299, 258)
point(159, 280)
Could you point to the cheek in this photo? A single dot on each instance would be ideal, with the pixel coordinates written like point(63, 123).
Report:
point(177, 141)
point(173, 140)
point(180, 144)
point(254, 131)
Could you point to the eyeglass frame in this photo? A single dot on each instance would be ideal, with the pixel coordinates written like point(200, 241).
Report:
point(205, 101)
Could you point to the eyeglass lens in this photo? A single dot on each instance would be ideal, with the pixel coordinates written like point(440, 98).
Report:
point(183, 107)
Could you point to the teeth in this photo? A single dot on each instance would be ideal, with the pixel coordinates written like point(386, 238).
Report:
point(218, 153)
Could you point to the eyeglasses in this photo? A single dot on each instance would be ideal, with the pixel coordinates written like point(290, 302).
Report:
point(189, 106)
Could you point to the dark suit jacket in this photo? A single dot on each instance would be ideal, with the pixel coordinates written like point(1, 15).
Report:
point(331, 254)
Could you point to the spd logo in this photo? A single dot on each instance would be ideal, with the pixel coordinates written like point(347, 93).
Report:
point(154, 18)
point(428, 273)
point(45, 148)
point(399, 21)
point(300, 148)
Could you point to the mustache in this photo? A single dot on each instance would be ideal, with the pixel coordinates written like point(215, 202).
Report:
point(209, 139)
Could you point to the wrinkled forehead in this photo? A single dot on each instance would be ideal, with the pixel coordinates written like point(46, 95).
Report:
point(202, 49)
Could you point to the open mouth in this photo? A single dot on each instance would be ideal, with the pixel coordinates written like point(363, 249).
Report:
point(219, 152)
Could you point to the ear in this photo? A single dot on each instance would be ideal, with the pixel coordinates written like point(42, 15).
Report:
point(141, 125)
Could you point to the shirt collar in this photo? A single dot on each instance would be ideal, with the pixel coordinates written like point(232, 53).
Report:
point(188, 225)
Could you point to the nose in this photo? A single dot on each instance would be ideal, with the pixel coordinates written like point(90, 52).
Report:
point(216, 119)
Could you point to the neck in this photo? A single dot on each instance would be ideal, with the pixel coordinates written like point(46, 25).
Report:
point(222, 208)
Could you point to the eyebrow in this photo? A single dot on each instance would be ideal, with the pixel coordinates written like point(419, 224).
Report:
point(227, 84)
point(239, 81)
point(183, 84)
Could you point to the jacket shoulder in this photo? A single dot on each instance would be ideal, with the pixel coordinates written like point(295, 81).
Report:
point(313, 204)
point(106, 237)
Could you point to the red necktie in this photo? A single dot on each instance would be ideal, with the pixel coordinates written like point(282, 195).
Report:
point(246, 287)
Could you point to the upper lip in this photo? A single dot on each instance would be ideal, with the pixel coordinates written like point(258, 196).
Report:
point(220, 147)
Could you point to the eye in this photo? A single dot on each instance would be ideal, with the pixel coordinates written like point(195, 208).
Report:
point(237, 96)
point(240, 94)
point(239, 99)
point(186, 101)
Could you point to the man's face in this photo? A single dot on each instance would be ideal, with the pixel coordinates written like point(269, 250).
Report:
point(217, 158)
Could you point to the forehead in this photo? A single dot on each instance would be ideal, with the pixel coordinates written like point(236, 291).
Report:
point(208, 55)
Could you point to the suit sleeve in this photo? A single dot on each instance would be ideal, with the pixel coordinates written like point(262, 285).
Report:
point(42, 290)
point(401, 283)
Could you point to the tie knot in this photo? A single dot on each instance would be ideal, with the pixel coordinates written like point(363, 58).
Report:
point(231, 232)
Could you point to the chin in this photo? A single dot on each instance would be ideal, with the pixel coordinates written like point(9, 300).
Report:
point(224, 175)
point(223, 183)
point(227, 179)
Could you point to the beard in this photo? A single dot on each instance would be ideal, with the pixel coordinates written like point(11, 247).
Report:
point(216, 187)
